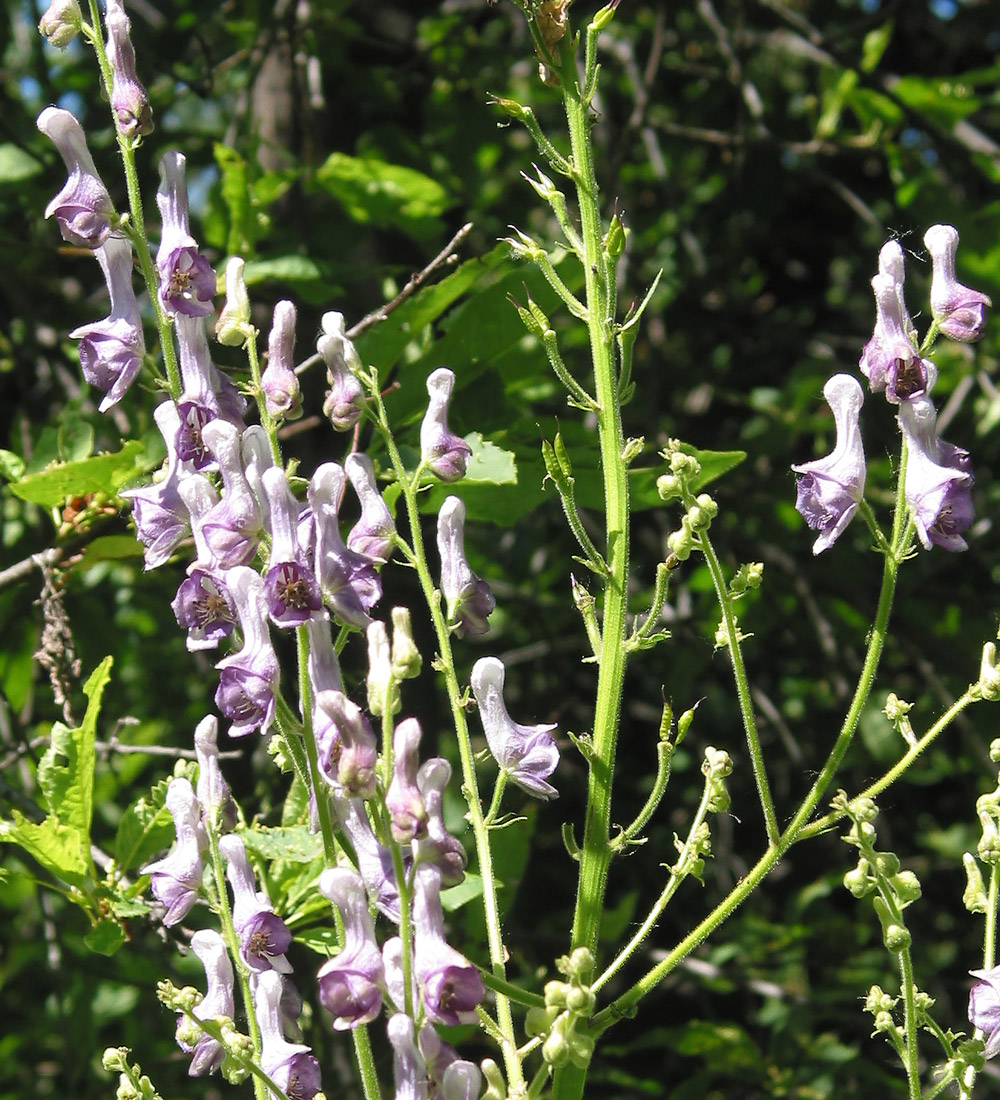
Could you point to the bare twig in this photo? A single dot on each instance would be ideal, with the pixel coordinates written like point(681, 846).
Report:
point(445, 256)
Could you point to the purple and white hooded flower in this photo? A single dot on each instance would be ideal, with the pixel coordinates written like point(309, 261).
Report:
point(345, 401)
point(83, 207)
point(450, 985)
point(111, 350)
point(469, 599)
point(830, 489)
point(290, 585)
point(984, 1008)
point(350, 984)
point(232, 529)
point(348, 581)
point(436, 845)
point(890, 360)
point(959, 312)
point(214, 796)
point(159, 513)
point(207, 394)
point(291, 1066)
point(249, 678)
point(210, 947)
point(448, 1076)
point(938, 484)
point(527, 755)
point(264, 936)
point(176, 879)
point(444, 453)
point(408, 1069)
point(403, 802)
point(355, 750)
point(187, 281)
point(373, 860)
point(372, 536)
point(280, 383)
point(129, 101)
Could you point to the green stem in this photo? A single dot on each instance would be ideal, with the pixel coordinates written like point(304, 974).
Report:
point(742, 687)
point(446, 666)
point(624, 1004)
point(266, 419)
point(990, 934)
point(911, 1061)
point(127, 148)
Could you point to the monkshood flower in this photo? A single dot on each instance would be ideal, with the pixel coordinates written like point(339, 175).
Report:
point(408, 1070)
point(255, 449)
point(323, 670)
point(290, 586)
point(348, 581)
point(280, 383)
point(938, 484)
point(129, 101)
point(83, 207)
point(527, 755)
point(437, 845)
point(111, 350)
point(214, 797)
point(450, 984)
point(958, 311)
point(204, 608)
point(830, 489)
point(373, 860)
point(176, 879)
point(187, 281)
point(291, 1066)
point(350, 984)
point(264, 936)
point(159, 513)
point(61, 22)
point(373, 534)
point(206, 395)
point(984, 1008)
point(469, 599)
point(231, 531)
point(892, 262)
point(890, 361)
point(345, 401)
point(210, 947)
point(403, 802)
point(356, 752)
point(248, 679)
point(444, 453)
point(448, 1076)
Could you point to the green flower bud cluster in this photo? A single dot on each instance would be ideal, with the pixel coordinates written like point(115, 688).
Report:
point(694, 522)
point(176, 998)
point(717, 767)
point(133, 1084)
point(239, 1053)
point(897, 711)
point(693, 852)
point(566, 1004)
point(748, 577)
point(880, 1005)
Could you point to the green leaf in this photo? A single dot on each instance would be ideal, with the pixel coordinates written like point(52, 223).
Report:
point(294, 844)
point(105, 473)
point(943, 102)
point(145, 828)
point(106, 937)
point(11, 465)
point(66, 771)
point(875, 44)
point(16, 165)
point(456, 896)
point(321, 940)
point(58, 848)
point(372, 190)
point(292, 268)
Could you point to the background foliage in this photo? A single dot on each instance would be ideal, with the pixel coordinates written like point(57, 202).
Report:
point(761, 153)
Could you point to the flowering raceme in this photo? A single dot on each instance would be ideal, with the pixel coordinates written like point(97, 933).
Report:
point(830, 489)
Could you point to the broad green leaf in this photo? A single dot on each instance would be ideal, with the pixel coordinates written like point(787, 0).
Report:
point(11, 465)
point(943, 102)
point(16, 165)
point(294, 844)
point(108, 548)
point(456, 896)
point(145, 828)
point(106, 937)
point(105, 473)
point(321, 940)
point(372, 190)
point(282, 269)
point(66, 771)
point(63, 851)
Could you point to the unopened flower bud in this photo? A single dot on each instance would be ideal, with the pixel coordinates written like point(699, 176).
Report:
point(129, 101)
point(383, 690)
point(995, 750)
point(406, 659)
point(538, 1020)
point(614, 243)
point(974, 899)
point(863, 809)
point(580, 1000)
point(884, 1022)
point(907, 886)
point(896, 937)
point(61, 23)
point(989, 674)
point(858, 881)
point(555, 1049)
point(233, 325)
point(669, 486)
point(681, 543)
point(887, 863)
point(115, 1059)
point(496, 1089)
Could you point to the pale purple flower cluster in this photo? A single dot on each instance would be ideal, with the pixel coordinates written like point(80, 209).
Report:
point(938, 482)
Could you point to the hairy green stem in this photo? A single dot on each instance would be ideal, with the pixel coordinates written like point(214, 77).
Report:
point(742, 687)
